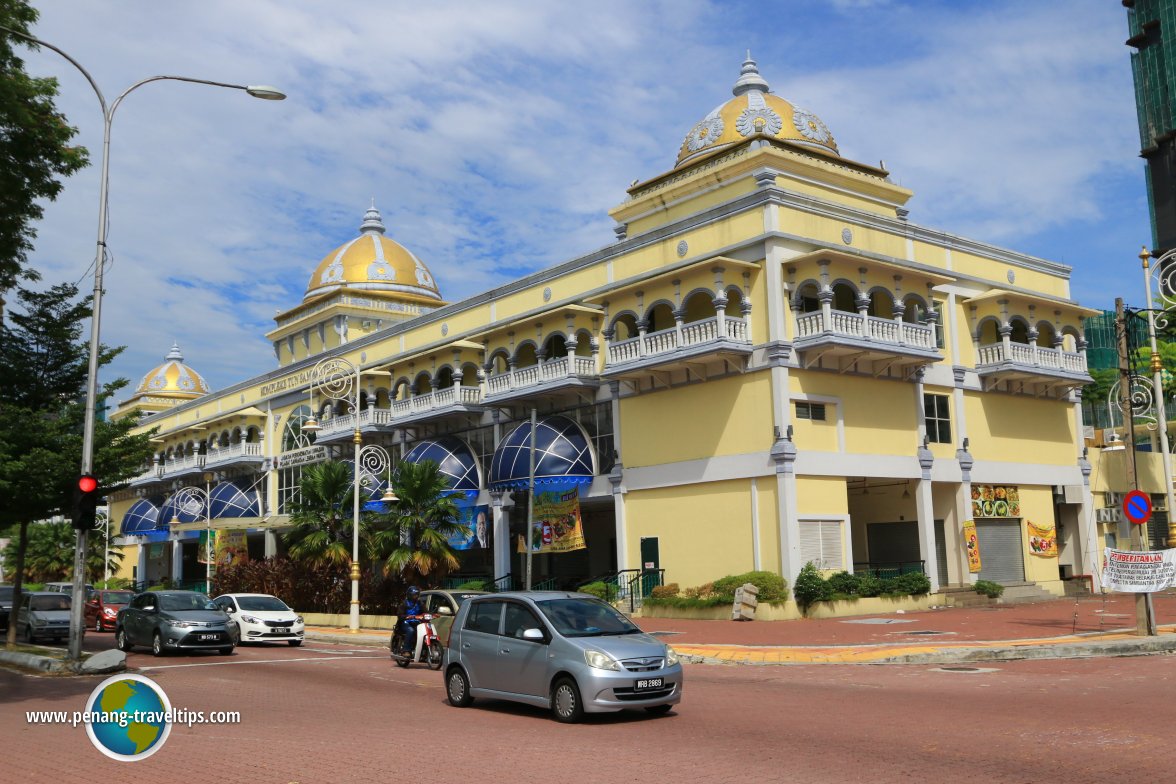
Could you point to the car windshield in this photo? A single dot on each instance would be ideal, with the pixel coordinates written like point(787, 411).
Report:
point(117, 597)
point(49, 602)
point(262, 603)
point(181, 602)
point(6, 593)
point(585, 618)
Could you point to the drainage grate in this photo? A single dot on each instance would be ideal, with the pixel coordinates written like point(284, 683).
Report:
point(960, 669)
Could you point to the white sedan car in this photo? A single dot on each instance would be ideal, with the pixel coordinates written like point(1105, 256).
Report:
point(260, 617)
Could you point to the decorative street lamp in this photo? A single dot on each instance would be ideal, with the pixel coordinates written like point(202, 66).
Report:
point(265, 92)
point(191, 500)
point(338, 379)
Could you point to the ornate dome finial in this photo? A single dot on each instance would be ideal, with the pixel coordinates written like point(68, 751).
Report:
point(749, 78)
point(175, 354)
point(371, 221)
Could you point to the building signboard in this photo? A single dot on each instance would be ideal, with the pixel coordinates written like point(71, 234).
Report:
point(1127, 571)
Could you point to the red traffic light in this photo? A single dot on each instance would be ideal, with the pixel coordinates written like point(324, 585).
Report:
point(87, 483)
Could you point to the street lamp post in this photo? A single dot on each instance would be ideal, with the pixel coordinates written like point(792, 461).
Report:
point(185, 498)
point(76, 629)
point(339, 379)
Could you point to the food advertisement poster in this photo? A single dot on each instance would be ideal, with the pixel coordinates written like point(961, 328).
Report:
point(557, 527)
point(1043, 541)
point(995, 501)
point(232, 548)
point(973, 545)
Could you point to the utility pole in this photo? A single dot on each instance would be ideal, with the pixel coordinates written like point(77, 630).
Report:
point(1145, 619)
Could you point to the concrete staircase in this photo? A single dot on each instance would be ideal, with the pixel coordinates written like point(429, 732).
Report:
point(964, 596)
point(1014, 593)
point(1024, 593)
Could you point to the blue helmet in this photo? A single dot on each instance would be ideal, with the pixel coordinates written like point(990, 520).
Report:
point(413, 592)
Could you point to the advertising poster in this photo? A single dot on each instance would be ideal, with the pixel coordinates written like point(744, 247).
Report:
point(996, 501)
point(475, 533)
point(557, 527)
point(1043, 542)
point(232, 549)
point(973, 546)
point(1127, 571)
point(207, 547)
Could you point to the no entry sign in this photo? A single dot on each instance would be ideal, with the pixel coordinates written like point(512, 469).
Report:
point(1137, 506)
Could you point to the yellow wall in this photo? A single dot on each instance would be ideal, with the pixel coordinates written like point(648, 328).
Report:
point(816, 435)
point(726, 416)
point(818, 496)
point(704, 531)
point(995, 271)
point(879, 415)
point(1011, 428)
point(1036, 507)
point(690, 206)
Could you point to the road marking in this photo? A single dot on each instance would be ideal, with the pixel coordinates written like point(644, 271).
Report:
point(255, 661)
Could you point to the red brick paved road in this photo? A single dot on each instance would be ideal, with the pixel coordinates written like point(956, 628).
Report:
point(327, 713)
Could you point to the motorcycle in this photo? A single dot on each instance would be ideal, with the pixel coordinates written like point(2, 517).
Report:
point(428, 645)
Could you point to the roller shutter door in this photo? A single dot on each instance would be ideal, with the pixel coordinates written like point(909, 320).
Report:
point(1002, 559)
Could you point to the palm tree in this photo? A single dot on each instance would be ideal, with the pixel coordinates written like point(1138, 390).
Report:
point(322, 516)
point(414, 540)
point(50, 553)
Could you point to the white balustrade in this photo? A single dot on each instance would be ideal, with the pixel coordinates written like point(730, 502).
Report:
point(700, 331)
point(1022, 354)
point(919, 335)
point(661, 341)
point(624, 351)
point(810, 324)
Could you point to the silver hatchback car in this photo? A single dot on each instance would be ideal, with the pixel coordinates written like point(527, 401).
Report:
point(569, 652)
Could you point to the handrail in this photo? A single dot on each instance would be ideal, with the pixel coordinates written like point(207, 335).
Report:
point(886, 569)
point(497, 584)
point(544, 585)
point(642, 584)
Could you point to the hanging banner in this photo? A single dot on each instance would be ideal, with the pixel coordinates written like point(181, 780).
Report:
point(1043, 542)
point(1127, 571)
point(973, 546)
point(475, 533)
point(557, 527)
point(232, 548)
point(206, 548)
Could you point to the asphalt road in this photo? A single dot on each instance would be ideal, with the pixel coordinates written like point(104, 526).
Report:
point(339, 713)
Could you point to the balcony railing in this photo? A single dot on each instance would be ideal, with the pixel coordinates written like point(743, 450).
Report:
point(346, 422)
point(665, 341)
point(544, 373)
point(1031, 356)
point(232, 452)
point(872, 328)
point(186, 463)
point(438, 398)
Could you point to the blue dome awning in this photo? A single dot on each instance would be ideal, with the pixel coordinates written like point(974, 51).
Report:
point(190, 511)
point(373, 486)
point(456, 459)
point(563, 455)
point(235, 498)
point(143, 516)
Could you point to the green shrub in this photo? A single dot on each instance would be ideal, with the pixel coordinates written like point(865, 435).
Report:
point(772, 587)
point(988, 588)
point(810, 587)
point(472, 585)
point(845, 583)
point(664, 591)
point(598, 589)
point(868, 585)
point(689, 602)
point(909, 584)
point(114, 584)
point(704, 591)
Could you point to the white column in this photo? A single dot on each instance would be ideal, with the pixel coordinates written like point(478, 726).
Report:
point(501, 536)
point(177, 561)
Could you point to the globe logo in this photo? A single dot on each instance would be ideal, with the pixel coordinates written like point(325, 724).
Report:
point(135, 717)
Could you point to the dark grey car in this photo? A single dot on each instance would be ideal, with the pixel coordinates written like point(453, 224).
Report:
point(43, 615)
point(173, 621)
point(569, 652)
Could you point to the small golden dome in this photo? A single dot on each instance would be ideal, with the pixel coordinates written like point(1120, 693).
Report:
point(755, 111)
point(372, 262)
point(173, 379)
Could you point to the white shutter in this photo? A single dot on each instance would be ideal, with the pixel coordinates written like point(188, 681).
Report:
point(821, 543)
point(831, 545)
point(810, 542)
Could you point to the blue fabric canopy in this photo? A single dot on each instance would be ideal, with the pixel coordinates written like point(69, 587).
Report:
point(457, 461)
point(143, 516)
point(190, 511)
point(563, 455)
point(235, 498)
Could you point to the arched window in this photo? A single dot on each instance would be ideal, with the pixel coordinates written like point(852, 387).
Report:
point(444, 378)
point(699, 307)
point(556, 346)
point(625, 327)
point(525, 356)
point(661, 317)
point(844, 298)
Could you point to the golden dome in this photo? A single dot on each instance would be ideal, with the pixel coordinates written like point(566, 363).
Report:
point(173, 379)
point(372, 262)
point(755, 111)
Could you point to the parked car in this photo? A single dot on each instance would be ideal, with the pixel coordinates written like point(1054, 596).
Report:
point(173, 621)
point(101, 610)
point(5, 605)
point(87, 589)
point(436, 602)
point(568, 652)
point(259, 617)
point(43, 615)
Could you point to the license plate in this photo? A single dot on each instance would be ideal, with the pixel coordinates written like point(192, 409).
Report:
point(210, 636)
point(282, 629)
point(649, 684)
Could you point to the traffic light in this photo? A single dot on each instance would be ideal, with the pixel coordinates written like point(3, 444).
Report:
point(85, 503)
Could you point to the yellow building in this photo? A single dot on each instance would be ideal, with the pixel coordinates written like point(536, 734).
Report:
point(770, 365)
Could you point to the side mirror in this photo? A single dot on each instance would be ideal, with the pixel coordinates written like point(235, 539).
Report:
point(151, 608)
point(444, 610)
point(535, 635)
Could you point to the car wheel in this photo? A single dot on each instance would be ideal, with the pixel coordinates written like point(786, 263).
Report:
point(457, 688)
point(226, 651)
point(659, 710)
point(565, 702)
point(157, 645)
point(122, 641)
point(293, 643)
point(434, 657)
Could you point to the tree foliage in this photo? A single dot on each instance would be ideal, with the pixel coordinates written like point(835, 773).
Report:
point(413, 540)
point(35, 150)
point(50, 553)
point(322, 517)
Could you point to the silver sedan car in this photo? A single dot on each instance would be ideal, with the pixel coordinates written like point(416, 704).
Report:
point(569, 652)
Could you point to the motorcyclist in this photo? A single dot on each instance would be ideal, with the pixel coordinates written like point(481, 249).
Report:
point(410, 616)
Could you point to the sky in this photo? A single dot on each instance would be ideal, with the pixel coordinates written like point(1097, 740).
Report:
point(494, 136)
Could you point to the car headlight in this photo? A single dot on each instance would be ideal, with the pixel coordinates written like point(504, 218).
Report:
point(601, 661)
point(671, 656)
point(179, 624)
point(108, 612)
point(299, 619)
point(249, 619)
point(39, 622)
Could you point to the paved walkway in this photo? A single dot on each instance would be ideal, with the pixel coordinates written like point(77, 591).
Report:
point(1063, 628)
